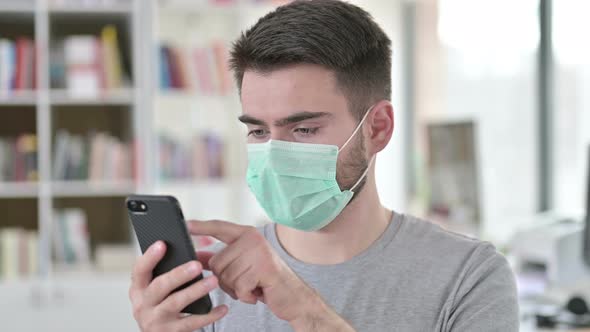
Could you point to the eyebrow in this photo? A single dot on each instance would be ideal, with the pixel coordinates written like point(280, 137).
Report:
point(251, 120)
point(293, 118)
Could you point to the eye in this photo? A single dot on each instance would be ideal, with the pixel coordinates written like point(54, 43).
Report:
point(306, 131)
point(257, 133)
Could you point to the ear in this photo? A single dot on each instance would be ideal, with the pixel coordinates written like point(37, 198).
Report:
point(379, 127)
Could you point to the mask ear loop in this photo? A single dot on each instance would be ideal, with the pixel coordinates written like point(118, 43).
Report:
point(360, 125)
point(364, 174)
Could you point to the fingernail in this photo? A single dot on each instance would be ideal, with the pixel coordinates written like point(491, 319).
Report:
point(192, 267)
point(158, 246)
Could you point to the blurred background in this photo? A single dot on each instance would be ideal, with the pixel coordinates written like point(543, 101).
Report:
point(104, 98)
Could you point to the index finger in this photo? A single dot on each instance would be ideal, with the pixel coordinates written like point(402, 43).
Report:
point(224, 231)
point(142, 271)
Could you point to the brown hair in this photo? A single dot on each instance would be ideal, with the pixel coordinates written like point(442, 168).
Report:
point(333, 34)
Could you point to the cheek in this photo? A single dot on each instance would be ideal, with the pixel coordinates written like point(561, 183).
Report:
point(352, 159)
point(330, 135)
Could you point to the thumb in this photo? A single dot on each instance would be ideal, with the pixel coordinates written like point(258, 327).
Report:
point(203, 257)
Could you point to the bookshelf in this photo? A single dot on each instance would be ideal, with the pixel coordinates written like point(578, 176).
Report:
point(49, 103)
point(52, 291)
point(135, 113)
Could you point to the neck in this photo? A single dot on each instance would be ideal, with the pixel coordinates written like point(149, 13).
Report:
point(353, 231)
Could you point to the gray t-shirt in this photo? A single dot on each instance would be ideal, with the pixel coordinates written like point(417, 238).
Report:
point(415, 277)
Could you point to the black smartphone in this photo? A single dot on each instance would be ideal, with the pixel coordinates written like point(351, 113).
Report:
point(160, 218)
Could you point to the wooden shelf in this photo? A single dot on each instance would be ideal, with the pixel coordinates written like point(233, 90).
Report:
point(114, 97)
point(121, 9)
point(18, 98)
point(17, 7)
point(83, 188)
point(18, 189)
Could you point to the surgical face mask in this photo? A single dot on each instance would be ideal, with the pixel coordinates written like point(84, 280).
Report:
point(295, 183)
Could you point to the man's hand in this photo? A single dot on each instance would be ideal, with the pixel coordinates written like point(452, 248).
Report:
point(249, 270)
point(154, 308)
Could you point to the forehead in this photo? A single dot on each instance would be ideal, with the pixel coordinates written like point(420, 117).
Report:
point(281, 92)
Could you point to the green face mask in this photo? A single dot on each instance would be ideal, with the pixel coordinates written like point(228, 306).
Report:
point(295, 183)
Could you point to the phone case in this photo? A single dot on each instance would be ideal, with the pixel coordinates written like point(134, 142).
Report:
point(164, 221)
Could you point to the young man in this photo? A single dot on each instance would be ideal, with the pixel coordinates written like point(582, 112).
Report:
point(314, 80)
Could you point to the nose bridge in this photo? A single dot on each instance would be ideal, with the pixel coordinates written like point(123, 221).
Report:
point(279, 134)
point(276, 135)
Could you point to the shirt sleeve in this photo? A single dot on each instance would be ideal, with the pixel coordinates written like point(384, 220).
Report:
point(485, 298)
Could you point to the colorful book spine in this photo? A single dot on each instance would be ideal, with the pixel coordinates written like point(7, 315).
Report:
point(222, 66)
point(198, 158)
point(202, 69)
point(18, 253)
point(71, 240)
point(18, 158)
point(9, 252)
point(95, 157)
point(111, 57)
point(175, 69)
point(7, 65)
point(164, 68)
point(92, 64)
point(82, 60)
point(17, 65)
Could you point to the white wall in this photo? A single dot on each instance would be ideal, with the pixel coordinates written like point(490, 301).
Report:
point(389, 169)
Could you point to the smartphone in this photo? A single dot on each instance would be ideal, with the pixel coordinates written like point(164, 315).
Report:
point(160, 218)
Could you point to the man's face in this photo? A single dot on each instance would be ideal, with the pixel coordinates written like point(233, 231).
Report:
point(302, 103)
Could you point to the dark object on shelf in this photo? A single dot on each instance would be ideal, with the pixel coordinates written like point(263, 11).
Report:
point(574, 315)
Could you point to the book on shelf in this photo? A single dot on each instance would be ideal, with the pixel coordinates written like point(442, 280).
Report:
point(201, 69)
point(111, 59)
point(18, 253)
point(89, 3)
point(88, 65)
point(18, 158)
point(200, 157)
point(17, 65)
point(97, 156)
point(71, 240)
point(110, 257)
